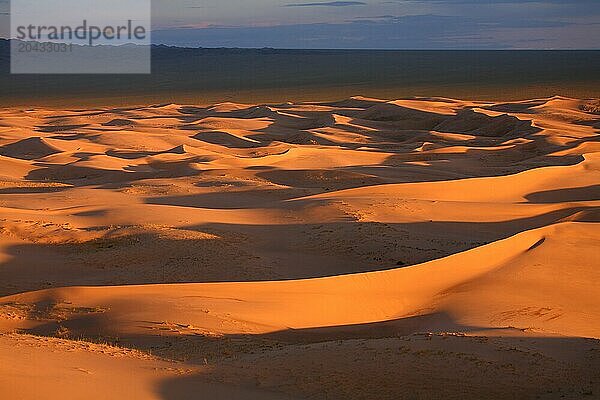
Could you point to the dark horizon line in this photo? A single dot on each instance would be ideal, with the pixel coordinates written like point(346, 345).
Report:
point(170, 46)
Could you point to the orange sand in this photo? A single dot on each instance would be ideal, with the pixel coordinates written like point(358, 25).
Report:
point(423, 248)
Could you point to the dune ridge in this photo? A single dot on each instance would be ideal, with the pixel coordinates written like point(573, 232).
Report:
point(355, 249)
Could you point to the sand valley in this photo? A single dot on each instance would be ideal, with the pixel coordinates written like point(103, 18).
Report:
point(359, 249)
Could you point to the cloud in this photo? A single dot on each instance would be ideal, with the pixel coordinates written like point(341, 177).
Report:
point(561, 2)
point(328, 4)
point(472, 22)
point(394, 32)
point(388, 33)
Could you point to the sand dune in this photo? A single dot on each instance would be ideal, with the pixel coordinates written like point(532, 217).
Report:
point(254, 308)
point(422, 248)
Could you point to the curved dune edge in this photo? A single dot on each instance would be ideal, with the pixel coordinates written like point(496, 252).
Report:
point(108, 217)
point(35, 367)
point(506, 189)
point(503, 290)
point(509, 283)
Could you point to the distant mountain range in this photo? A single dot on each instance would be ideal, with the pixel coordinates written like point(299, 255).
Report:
point(204, 75)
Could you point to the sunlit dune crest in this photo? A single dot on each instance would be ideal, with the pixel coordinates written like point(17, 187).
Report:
point(421, 248)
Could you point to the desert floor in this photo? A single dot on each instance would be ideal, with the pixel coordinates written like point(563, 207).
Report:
point(365, 249)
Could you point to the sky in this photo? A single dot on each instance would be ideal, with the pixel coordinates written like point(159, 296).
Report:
point(373, 24)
